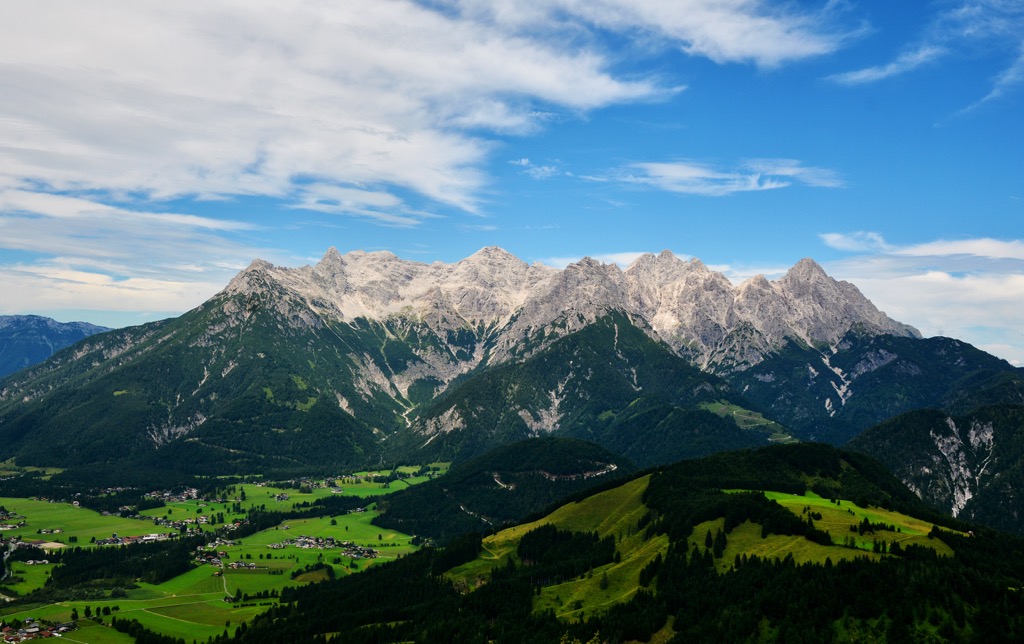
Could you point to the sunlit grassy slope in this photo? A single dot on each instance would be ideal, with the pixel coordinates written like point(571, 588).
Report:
point(617, 512)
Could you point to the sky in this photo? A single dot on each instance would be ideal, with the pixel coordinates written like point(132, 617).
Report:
point(151, 150)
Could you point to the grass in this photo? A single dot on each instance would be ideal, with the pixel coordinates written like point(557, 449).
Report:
point(89, 632)
point(34, 576)
point(73, 521)
point(615, 512)
point(745, 539)
point(837, 519)
point(747, 419)
point(11, 468)
point(266, 497)
point(191, 606)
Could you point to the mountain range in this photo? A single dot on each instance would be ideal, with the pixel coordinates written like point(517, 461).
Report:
point(26, 340)
point(366, 358)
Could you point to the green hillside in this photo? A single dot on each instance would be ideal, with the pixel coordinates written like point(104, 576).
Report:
point(501, 487)
point(697, 551)
point(608, 383)
point(883, 376)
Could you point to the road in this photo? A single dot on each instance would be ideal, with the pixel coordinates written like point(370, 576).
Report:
point(7, 553)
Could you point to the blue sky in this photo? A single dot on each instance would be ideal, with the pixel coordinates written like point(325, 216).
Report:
point(149, 151)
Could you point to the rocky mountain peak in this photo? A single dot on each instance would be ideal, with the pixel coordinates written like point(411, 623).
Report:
point(694, 309)
point(332, 256)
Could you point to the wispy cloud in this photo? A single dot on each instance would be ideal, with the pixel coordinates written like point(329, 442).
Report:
point(1008, 80)
point(958, 29)
point(216, 99)
point(81, 254)
point(859, 241)
point(969, 289)
point(535, 171)
point(905, 62)
point(764, 33)
point(697, 178)
point(864, 241)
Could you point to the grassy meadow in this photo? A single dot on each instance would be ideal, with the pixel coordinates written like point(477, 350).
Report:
point(616, 512)
point(611, 513)
point(192, 606)
point(836, 518)
point(250, 496)
point(71, 520)
point(747, 419)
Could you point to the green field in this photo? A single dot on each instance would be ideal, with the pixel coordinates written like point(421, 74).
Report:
point(191, 606)
point(615, 512)
point(33, 576)
point(271, 498)
point(10, 468)
point(747, 419)
point(73, 521)
point(837, 519)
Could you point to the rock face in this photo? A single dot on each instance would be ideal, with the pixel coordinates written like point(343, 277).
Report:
point(697, 311)
point(29, 339)
point(968, 465)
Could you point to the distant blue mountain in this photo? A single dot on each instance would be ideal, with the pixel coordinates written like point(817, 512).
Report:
point(26, 340)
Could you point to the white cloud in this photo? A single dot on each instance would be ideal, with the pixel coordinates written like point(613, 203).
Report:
point(539, 172)
point(233, 98)
point(856, 241)
point(53, 287)
point(89, 255)
point(696, 178)
point(767, 34)
point(904, 63)
point(969, 289)
point(982, 247)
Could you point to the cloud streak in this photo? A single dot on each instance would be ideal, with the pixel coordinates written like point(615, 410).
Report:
point(704, 179)
point(738, 31)
point(905, 62)
point(201, 98)
point(959, 30)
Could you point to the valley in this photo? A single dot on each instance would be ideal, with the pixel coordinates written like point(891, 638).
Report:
point(370, 449)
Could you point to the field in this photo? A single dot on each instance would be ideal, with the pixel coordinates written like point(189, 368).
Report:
point(835, 518)
point(248, 496)
point(616, 513)
point(72, 521)
point(193, 606)
point(747, 419)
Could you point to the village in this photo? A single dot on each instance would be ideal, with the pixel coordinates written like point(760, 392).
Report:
point(31, 630)
point(349, 549)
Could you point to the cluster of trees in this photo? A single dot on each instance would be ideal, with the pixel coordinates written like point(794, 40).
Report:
point(121, 566)
point(552, 556)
